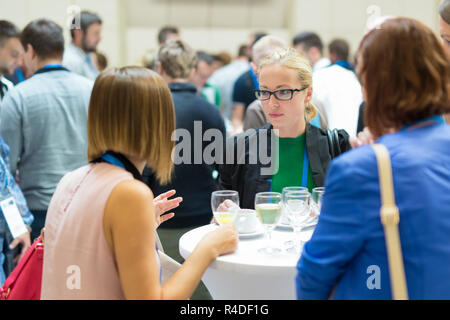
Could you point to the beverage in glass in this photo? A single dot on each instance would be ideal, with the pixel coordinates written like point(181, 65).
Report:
point(225, 205)
point(268, 208)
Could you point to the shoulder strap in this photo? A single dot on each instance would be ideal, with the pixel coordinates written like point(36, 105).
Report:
point(333, 143)
point(390, 218)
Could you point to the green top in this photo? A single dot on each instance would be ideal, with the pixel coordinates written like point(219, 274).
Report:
point(290, 160)
point(212, 94)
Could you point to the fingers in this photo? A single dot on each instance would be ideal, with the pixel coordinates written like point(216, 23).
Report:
point(166, 205)
point(166, 217)
point(14, 243)
point(227, 205)
point(166, 195)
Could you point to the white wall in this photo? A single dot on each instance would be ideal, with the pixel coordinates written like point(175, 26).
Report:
point(130, 26)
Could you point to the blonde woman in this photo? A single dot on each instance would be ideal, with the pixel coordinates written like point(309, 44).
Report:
point(100, 227)
point(305, 152)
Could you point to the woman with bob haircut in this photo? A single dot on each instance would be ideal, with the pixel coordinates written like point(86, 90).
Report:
point(304, 151)
point(405, 75)
point(102, 220)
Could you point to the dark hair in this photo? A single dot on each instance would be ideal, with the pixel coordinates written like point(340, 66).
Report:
point(86, 19)
point(102, 60)
point(162, 35)
point(46, 38)
point(7, 31)
point(203, 56)
point(340, 48)
point(242, 52)
point(444, 11)
point(308, 40)
point(406, 75)
point(258, 36)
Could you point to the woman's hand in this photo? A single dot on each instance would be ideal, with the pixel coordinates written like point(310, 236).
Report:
point(222, 241)
point(163, 204)
point(225, 207)
point(363, 138)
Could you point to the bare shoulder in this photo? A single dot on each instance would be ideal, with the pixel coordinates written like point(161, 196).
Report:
point(129, 196)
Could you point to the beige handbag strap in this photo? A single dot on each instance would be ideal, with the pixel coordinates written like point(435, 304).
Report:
point(390, 219)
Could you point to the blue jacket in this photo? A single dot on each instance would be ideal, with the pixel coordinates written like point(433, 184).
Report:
point(348, 247)
point(9, 188)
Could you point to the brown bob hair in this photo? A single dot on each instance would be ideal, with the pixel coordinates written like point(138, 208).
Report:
point(131, 111)
point(405, 73)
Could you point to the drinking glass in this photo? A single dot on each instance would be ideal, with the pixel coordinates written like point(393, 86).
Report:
point(285, 213)
point(316, 203)
point(284, 220)
point(268, 208)
point(225, 205)
point(297, 204)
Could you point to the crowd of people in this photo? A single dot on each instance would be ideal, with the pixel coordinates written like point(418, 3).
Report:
point(109, 160)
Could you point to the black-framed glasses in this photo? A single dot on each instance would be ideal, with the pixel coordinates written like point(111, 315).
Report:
point(282, 95)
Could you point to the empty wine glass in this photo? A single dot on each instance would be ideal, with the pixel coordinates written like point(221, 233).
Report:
point(297, 204)
point(268, 208)
point(284, 214)
point(225, 205)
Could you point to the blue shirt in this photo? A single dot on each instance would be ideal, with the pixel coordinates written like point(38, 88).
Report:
point(348, 247)
point(44, 122)
point(9, 188)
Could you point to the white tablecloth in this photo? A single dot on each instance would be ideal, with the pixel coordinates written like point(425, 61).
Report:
point(247, 274)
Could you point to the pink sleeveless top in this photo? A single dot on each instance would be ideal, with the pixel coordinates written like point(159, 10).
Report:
point(78, 262)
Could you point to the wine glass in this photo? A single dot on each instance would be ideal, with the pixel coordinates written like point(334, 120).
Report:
point(284, 214)
point(268, 208)
point(225, 205)
point(297, 204)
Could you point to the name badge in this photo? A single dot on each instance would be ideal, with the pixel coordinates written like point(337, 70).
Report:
point(13, 218)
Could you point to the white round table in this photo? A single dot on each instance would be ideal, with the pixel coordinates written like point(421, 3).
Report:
point(247, 274)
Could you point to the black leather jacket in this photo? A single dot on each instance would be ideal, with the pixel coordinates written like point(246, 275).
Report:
point(249, 179)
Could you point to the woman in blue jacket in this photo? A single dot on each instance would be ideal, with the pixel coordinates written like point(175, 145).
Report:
point(406, 82)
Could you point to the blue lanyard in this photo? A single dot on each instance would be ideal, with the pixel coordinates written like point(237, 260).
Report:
point(113, 160)
point(438, 119)
point(51, 66)
point(304, 174)
point(255, 79)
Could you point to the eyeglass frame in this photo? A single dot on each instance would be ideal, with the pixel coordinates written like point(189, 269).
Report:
point(274, 93)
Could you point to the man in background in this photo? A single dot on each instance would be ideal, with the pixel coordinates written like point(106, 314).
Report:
point(166, 33)
point(85, 38)
point(339, 50)
point(244, 92)
point(338, 92)
point(11, 55)
point(44, 119)
point(311, 46)
point(225, 78)
point(11, 52)
point(201, 75)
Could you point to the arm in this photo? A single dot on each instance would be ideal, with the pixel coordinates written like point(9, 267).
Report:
point(129, 227)
point(11, 127)
point(338, 237)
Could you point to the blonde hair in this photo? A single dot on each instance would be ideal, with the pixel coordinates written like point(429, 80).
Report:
point(177, 58)
point(292, 59)
point(131, 111)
